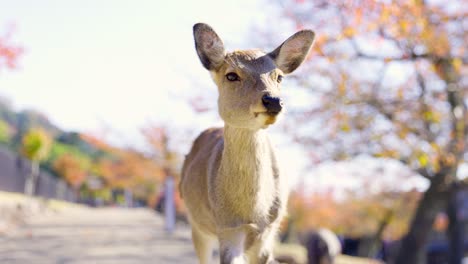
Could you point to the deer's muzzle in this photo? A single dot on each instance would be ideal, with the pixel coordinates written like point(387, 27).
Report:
point(273, 105)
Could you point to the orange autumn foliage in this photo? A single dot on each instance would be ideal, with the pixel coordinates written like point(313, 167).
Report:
point(353, 215)
point(128, 169)
point(71, 169)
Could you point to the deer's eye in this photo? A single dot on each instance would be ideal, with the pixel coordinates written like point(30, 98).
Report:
point(280, 78)
point(232, 77)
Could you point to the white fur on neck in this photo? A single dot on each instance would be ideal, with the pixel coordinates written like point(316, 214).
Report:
point(246, 174)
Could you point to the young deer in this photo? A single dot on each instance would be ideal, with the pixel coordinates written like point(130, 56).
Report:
point(231, 182)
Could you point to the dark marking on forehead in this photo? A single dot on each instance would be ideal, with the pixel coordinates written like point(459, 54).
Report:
point(251, 60)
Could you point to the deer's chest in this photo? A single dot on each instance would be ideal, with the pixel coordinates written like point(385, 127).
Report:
point(247, 191)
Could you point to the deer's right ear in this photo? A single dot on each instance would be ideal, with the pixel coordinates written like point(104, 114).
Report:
point(210, 47)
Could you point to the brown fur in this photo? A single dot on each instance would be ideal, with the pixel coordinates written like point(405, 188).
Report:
point(231, 181)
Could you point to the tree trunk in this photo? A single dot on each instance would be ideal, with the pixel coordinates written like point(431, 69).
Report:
point(377, 239)
point(455, 229)
point(128, 195)
point(413, 247)
point(370, 246)
point(31, 180)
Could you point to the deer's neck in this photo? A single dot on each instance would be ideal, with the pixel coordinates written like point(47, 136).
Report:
point(247, 169)
point(245, 150)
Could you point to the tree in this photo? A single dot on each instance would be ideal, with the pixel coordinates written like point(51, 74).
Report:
point(36, 144)
point(158, 139)
point(381, 215)
point(5, 132)
point(391, 81)
point(158, 142)
point(126, 169)
point(72, 169)
point(9, 53)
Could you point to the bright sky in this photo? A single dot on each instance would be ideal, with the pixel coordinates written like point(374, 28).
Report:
point(111, 62)
point(93, 65)
point(89, 65)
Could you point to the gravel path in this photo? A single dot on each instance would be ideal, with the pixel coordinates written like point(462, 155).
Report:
point(88, 235)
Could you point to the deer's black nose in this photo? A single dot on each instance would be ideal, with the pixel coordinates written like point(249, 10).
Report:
point(272, 104)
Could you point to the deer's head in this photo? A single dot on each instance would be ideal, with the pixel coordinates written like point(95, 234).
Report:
point(249, 80)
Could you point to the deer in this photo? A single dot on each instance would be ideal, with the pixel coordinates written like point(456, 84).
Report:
point(231, 181)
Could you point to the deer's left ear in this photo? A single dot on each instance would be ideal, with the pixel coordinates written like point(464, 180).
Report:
point(289, 55)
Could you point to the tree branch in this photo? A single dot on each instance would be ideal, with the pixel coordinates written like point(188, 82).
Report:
point(424, 172)
point(458, 108)
point(424, 107)
point(409, 57)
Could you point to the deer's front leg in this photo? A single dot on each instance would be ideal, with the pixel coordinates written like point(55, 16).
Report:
point(262, 249)
point(231, 246)
point(266, 248)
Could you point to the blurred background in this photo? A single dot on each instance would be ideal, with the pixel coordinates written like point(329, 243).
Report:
point(100, 101)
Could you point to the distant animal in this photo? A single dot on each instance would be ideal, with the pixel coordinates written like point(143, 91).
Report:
point(322, 246)
point(231, 182)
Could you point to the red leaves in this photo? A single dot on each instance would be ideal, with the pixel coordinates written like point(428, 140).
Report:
point(9, 52)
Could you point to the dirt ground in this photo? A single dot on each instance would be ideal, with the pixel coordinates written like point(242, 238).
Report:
point(89, 235)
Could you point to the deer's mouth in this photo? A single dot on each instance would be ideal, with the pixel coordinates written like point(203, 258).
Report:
point(267, 113)
point(270, 117)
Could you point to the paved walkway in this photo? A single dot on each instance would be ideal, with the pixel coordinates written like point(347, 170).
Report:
point(58, 232)
point(87, 235)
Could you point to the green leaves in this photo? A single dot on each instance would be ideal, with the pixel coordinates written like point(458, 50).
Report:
point(36, 144)
point(5, 132)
